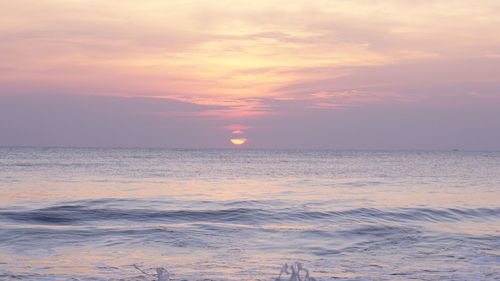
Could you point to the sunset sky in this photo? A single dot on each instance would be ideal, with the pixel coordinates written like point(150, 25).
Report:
point(361, 74)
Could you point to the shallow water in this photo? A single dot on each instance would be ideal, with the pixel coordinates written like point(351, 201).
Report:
point(91, 214)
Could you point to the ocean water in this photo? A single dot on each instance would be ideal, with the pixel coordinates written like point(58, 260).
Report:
point(97, 214)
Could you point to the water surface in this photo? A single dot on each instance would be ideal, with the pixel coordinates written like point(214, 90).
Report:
point(91, 214)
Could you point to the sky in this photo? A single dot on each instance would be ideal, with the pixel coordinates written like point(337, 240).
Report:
point(306, 74)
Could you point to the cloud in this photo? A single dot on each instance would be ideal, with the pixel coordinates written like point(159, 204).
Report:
point(211, 49)
point(213, 63)
point(75, 120)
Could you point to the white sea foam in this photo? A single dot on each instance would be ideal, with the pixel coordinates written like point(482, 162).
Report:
point(162, 273)
point(294, 273)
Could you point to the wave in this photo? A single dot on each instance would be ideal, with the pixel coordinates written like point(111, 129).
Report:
point(83, 214)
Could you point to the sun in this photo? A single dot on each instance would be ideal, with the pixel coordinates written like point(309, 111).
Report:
point(238, 141)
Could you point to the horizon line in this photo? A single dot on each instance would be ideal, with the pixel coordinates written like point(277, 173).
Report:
point(253, 148)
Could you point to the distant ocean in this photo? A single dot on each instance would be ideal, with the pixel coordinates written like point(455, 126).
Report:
point(100, 214)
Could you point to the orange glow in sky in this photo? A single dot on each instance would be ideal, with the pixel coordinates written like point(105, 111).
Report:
point(238, 141)
point(270, 67)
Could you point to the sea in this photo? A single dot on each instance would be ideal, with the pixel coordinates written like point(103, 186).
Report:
point(238, 214)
